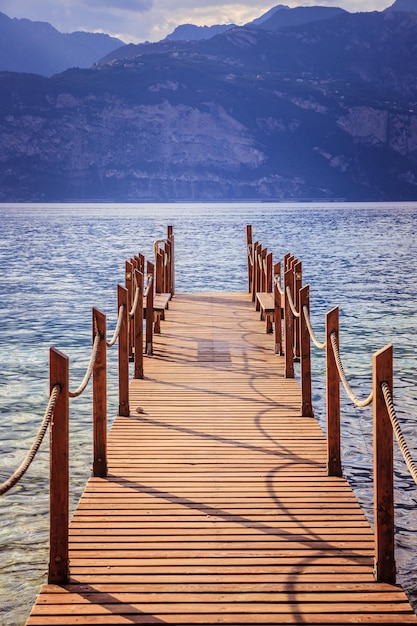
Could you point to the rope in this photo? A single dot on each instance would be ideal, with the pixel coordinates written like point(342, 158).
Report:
point(148, 284)
point(24, 466)
point(317, 343)
point(118, 327)
point(135, 303)
point(277, 281)
point(397, 430)
point(342, 375)
point(291, 302)
point(87, 376)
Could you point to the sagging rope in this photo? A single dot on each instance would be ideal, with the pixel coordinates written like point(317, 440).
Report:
point(113, 340)
point(358, 403)
point(317, 343)
point(89, 372)
point(135, 303)
point(148, 284)
point(398, 433)
point(24, 466)
point(291, 303)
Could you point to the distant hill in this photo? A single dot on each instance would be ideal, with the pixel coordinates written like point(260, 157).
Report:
point(275, 19)
point(283, 17)
point(189, 32)
point(38, 48)
point(324, 110)
point(409, 6)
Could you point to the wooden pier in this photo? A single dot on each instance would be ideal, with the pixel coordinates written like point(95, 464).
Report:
point(217, 507)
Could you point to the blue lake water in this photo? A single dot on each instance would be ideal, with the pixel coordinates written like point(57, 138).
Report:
point(58, 261)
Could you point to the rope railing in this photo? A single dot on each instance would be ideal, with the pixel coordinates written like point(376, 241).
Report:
point(116, 334)
point(294, 300)
point(412, 468)
point(355, 400)
point(26, 463)
point(89, 372)
point(291, 303)
point(129, 334)
point(149, 284)
point(135, 303)
point(321, 345)
point(277, 281)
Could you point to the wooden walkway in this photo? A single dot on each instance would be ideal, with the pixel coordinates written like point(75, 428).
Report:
point(217, 508)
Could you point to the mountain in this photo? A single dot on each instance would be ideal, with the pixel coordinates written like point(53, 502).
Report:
point(189, 32)
point(37, 47)
point(323, 110)
point(282, 16)
point(409, 6)
point(269, 14)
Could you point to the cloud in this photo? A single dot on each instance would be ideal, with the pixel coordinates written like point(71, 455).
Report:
point(119, 5)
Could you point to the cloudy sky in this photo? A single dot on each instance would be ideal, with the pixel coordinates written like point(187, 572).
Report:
point(141, 20)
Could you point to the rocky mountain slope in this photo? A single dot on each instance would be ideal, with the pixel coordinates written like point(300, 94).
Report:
point(322, 110)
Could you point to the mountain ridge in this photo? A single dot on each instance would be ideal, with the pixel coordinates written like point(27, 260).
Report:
point(39, 48)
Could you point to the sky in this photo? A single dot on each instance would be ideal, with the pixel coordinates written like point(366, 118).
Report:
point(135, 21)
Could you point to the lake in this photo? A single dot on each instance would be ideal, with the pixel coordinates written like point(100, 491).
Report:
point(58, 261)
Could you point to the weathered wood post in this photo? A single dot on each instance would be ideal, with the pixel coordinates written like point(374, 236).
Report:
point(305, 354)
point(58, 571)
point(289, 325)
point(100, 397)
point(123, 344)
point(383, 469)
point(250, 256)
point(149, 308)
point(138, 328)
point(277, 311)
point(167, 266)
point(334, 462)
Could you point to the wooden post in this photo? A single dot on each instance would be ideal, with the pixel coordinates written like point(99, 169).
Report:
point(100, 398)
point(250, 255)
point(171, 287)
point(268, 285)
point(138, 329)
point(130, 295)
point(159, 271)
point(334, 462)
point(167, 273)
point(383, 469)
point(305, 355)
point(287, 257)
point(123, 353)
point(58, 572)
point(141, 263)
point(149, 309)
point(277, 312)
point(289, 327)
point(298, 283)
point(263, 269)
point(254, 269)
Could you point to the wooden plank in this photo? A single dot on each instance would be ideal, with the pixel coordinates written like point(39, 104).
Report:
point(217, 508)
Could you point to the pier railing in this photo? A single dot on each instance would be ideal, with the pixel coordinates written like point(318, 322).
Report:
point(135, 301)
point(288, 317)
point(293, 304)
